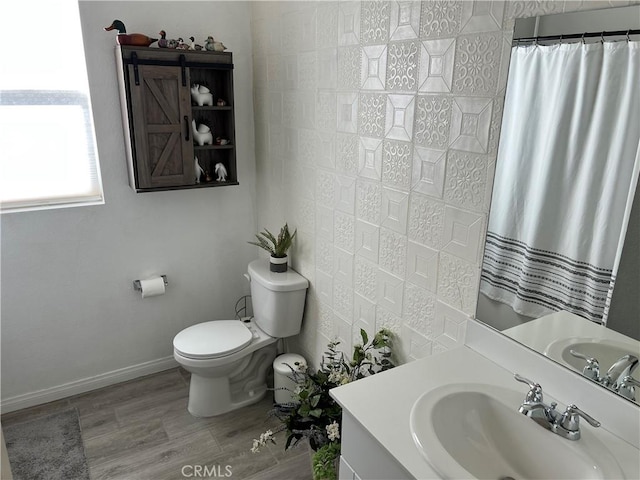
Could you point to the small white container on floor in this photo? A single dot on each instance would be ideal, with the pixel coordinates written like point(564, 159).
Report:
point(283, 382)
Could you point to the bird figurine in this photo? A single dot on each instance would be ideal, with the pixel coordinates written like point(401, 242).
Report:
point(221, 171)
point(182, 45)
point(211, 45)
point(163, 42)
point(194, 45)
point(124, 38)
point(199, 170)
point(172, 43)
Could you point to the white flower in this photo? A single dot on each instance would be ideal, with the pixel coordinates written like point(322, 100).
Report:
point(302, 366)
point(345, 379)
point(334, 377)
point(264, 438)
point(333, 431)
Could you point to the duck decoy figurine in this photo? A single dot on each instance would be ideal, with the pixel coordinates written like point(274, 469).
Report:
point(163, 42)
point(211, 45)
point(182, 45)
point(194, 45)
point(124, 38)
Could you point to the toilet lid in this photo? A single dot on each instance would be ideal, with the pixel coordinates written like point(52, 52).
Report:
point(212, 339)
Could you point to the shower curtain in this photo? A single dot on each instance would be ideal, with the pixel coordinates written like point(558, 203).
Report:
point(566, 173)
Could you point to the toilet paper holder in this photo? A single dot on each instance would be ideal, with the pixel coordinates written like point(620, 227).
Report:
point(138, 288)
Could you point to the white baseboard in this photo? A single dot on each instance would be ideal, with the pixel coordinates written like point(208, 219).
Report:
point(86, 384)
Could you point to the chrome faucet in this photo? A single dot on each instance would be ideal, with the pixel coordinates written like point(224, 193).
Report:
point(566, 424)
point(616, 374)
point(624, 367)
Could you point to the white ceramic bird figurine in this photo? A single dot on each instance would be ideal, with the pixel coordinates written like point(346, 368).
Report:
point(221, 171)
point(199, 170)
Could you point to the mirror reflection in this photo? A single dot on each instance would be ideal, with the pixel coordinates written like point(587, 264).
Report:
point(561, 261)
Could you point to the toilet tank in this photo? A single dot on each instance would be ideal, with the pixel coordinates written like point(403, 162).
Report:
point(277, 298)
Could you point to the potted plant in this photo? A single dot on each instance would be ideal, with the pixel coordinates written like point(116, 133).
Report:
point(276, 246)
point(314, 414)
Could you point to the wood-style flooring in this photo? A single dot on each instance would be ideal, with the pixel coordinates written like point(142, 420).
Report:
point(141, 430)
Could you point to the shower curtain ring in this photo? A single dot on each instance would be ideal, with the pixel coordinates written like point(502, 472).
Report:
point(628, 39)
point(560, 39)
point(602, 37)
point(583, 42)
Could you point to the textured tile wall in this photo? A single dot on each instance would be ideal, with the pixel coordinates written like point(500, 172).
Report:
point(377, 128)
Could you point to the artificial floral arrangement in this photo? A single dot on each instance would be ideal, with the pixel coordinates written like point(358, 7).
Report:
point(313, 414)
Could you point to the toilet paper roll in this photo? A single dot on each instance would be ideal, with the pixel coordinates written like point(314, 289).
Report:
point(152, 287)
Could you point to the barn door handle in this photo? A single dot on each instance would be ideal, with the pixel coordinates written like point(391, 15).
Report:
point(183, 68)
point(186, 126)
point(136, 73)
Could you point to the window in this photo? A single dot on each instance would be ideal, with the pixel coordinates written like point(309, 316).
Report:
point(48, 155)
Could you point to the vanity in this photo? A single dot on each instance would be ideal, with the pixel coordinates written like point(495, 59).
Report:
point(455, 415)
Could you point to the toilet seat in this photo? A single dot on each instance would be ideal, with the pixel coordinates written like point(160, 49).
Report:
point(214, 339)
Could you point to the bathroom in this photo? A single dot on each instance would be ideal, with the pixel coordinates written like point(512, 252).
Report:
point(311, 151)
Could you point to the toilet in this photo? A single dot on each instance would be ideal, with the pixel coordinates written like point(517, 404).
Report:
point(229, 359)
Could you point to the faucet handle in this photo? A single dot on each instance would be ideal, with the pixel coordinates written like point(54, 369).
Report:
point(628, 386)
point(535, 390)
point(592, 368)
point(570, 419)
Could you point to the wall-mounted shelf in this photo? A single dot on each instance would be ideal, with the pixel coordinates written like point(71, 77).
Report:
point(155, 87)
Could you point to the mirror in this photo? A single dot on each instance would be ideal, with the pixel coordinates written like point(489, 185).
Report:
point(529, 282)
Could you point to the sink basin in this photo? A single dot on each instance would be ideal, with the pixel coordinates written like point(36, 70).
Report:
point(606, 351)
point(476, 431)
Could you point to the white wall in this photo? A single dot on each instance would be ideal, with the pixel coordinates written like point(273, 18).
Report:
point(69, 311)
point(381, 119)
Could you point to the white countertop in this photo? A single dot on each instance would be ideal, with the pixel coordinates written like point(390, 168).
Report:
point(382, 403)
point(538, 334)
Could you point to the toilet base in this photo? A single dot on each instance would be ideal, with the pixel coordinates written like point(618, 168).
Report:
point(211, 396)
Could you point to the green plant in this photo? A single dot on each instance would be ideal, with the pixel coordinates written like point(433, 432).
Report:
point(276, 246)
point(324, 461)
point(314, 414)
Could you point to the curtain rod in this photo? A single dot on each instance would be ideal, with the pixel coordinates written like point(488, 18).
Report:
point(582, 36)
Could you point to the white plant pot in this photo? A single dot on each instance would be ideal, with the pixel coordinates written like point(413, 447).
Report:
point(277, 264)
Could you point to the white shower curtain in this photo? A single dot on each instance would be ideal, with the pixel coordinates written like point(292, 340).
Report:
point(567, 168)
